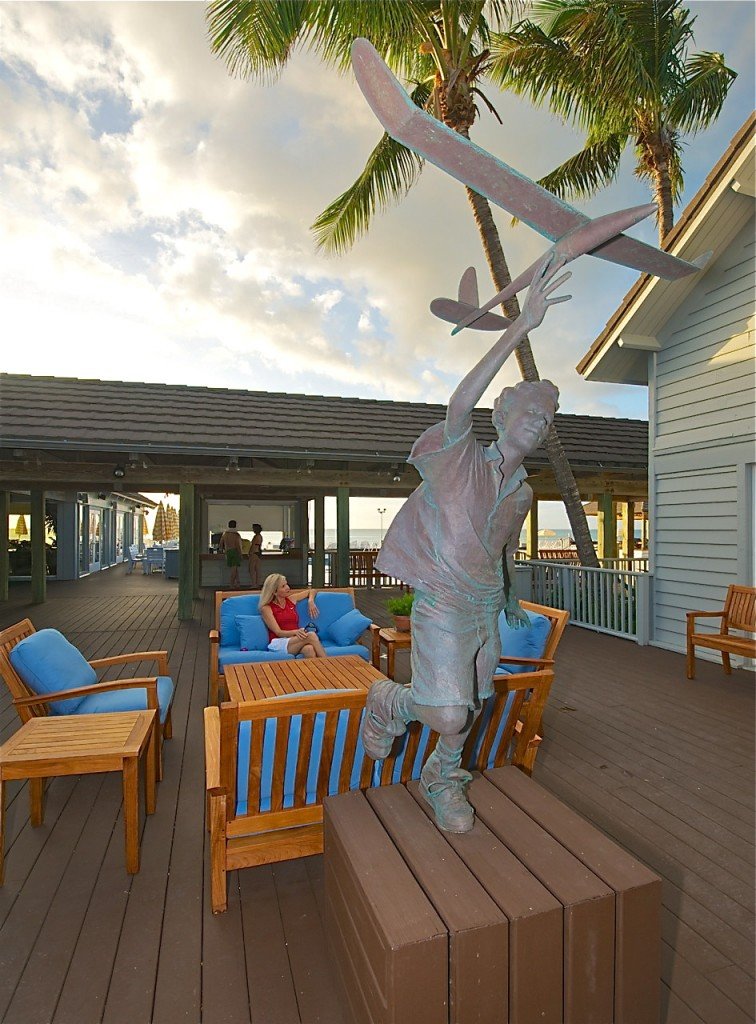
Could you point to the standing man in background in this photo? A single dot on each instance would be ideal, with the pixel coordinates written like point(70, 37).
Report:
point(231, 544)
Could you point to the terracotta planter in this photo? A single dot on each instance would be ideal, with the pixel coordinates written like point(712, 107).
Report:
point(402, 623)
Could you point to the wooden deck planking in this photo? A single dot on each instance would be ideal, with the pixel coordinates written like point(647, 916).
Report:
point(661, 764)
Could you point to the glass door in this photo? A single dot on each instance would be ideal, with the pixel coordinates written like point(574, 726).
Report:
point(95, 539)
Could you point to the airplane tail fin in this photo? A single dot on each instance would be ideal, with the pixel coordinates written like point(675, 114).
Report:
point(468, 287)
point(703, 259)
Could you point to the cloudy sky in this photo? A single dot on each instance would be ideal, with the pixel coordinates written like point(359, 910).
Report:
point(155, 217)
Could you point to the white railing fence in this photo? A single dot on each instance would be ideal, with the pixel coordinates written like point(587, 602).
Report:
point(614, 601)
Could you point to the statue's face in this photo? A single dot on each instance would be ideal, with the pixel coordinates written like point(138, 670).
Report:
point(526, 421)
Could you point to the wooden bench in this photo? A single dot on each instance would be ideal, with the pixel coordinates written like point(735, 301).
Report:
point(738, 613)
point(533, 916)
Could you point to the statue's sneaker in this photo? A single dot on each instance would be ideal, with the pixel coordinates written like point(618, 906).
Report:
point(445, 792)
point(380, 728)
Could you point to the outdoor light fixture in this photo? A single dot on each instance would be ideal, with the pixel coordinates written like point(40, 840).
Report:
point(309, 466)
point(233, 463)
point(119, 472)
point(396, 476)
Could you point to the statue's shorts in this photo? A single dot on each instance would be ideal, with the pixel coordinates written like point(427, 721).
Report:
point(455, 650)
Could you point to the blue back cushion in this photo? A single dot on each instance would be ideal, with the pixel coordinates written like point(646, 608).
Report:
point(253, 633)
point(47, 663)
point(316, 749)
point(231, 607)
point(345, 630)
point(525, 642)
point(331, 606)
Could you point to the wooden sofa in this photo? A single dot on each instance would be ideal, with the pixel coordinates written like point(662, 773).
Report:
point(247, 600)
point(295, 751)
point(739, 613)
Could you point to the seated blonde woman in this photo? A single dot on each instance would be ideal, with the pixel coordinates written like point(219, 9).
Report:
point(279, 613)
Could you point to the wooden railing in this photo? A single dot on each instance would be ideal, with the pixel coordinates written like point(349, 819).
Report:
point(362, 571)
point(570, 556)
point(614, 601)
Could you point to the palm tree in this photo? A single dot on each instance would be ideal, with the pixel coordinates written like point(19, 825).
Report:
point(645, 88)
point(443, 48)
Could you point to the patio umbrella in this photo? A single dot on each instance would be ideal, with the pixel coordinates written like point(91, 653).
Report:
point(160, 526)
point(172, 522)
point(21, 529)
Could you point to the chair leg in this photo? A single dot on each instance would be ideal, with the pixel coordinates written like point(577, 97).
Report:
point(726, 663)
point(150, 775)
point(218, 880)
point(691, 662)
point(37, 801)
point(2, 832)
point(168, 725)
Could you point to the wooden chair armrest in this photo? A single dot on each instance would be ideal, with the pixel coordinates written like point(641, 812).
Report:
point(214, 636)
point(212, 750)
point(149, 684)
point(506, 659)
point(704, 615)
point(161, 657)
point(374, 628)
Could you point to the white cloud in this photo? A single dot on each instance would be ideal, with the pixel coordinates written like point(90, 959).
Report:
point(156, 213)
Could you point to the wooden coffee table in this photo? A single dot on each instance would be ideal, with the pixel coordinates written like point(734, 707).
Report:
point(261, 679)
point(82, 745)
point(392, 639)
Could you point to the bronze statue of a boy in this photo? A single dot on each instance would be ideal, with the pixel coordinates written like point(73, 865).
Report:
point(447, 542)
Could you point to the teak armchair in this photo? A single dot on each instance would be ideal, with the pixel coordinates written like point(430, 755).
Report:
point(739, 613)
point(30, 705)
point(270, 763)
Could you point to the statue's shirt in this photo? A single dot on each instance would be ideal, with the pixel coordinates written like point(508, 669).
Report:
point(448, 537)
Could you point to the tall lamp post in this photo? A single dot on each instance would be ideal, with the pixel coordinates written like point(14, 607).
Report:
point(381, 513)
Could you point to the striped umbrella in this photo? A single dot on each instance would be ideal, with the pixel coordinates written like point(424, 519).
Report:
point(160, 526)
point(21, 529)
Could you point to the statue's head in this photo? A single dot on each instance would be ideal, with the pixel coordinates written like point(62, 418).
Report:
point(523, 414)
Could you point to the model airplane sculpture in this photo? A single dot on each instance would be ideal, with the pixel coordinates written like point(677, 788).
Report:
point(573, 233)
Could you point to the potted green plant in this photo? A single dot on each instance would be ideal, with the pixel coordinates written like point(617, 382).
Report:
point(401, 608)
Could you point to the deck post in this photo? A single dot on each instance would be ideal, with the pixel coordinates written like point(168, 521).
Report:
point(318, 559)
point(531, 530)
point(4, 556)
point(628, 525)
point(38, 549)
point(197, 544)
point(187, 552)
point(342, 536)
point(607, 526)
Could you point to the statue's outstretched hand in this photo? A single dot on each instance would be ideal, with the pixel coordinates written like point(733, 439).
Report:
point(516, 616)
point(542, 286)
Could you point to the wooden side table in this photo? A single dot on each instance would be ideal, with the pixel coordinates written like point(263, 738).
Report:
point(392, 639)
point(82, 745)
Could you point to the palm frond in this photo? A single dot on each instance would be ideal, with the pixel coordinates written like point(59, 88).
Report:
point(700, 99)
point(593, 168)
point(390, 172)
point(255, 38)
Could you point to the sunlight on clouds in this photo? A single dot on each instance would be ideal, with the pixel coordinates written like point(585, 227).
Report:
point(156, 217)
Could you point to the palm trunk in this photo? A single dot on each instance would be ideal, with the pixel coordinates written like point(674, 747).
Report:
point(662, 188)
point(560, 465)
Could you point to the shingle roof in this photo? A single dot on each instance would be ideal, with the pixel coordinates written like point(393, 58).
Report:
point(60, 413)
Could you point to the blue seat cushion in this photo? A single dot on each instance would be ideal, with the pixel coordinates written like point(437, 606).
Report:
point(331, 606)
point(48, 663)
point(334, 651)
point(253, 633)
point(527, 642)
point(244, 604)
point(128, 700)
point(348, 628)
point(236, 656)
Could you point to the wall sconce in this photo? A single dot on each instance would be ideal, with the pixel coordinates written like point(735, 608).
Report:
point(396, 476)
point(119, 472)
point(233, 463)
point(309, 466)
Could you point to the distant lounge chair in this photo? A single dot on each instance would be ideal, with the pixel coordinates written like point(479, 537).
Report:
point(132, 556)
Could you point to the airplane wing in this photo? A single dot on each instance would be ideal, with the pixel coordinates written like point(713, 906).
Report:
point(453, 312)
point(491, 177)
